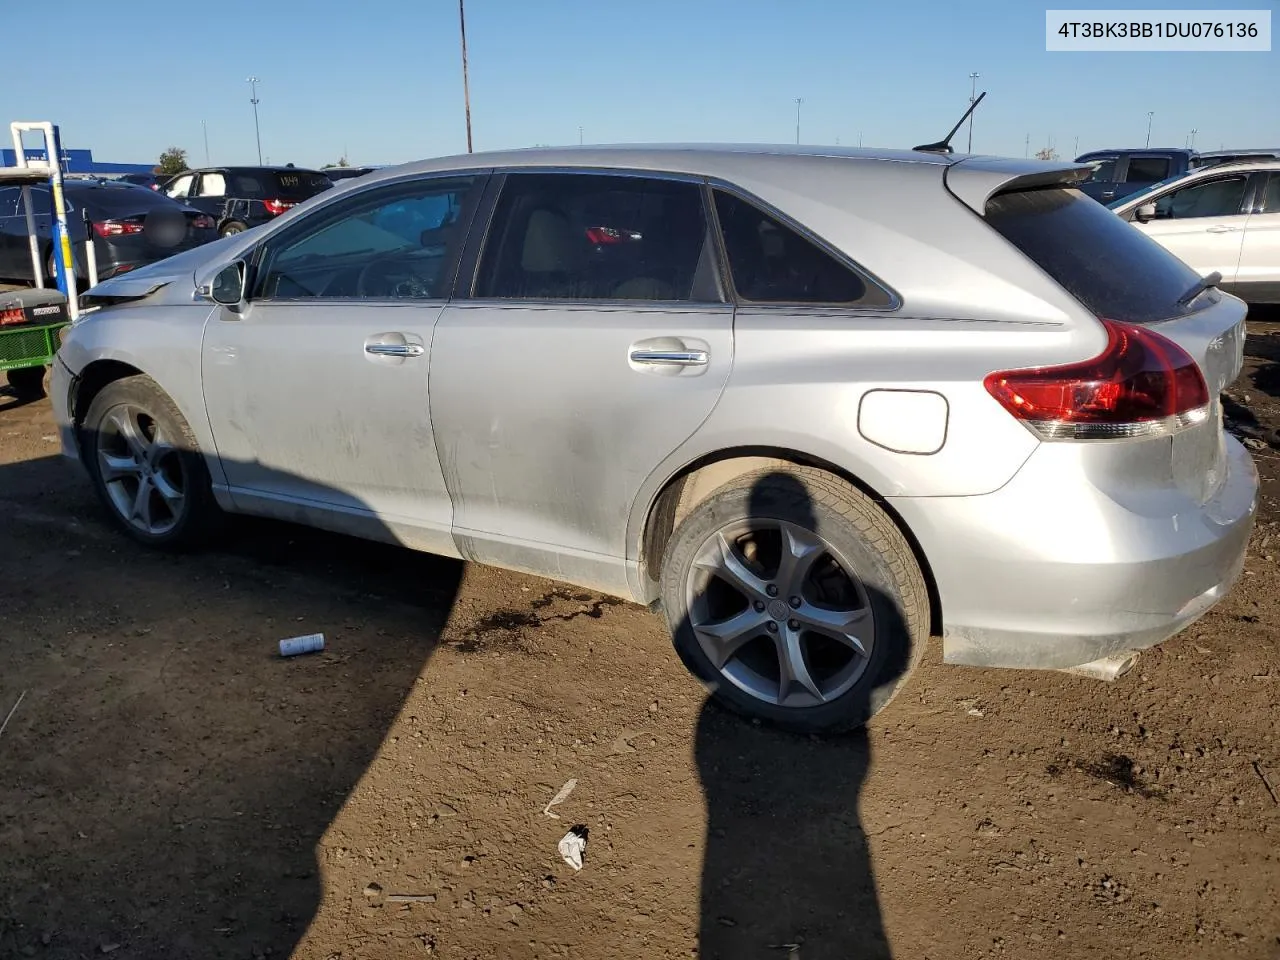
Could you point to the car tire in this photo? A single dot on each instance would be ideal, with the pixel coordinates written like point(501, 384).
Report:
point(29, 383)
point(232, 227)
point(780, 642)
point(146, 465)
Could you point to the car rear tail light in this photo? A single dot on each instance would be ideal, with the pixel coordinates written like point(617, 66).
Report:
point(277, 207)
point(117, 228)
point(11, 316)
point(1142, 385)
point(203, 223)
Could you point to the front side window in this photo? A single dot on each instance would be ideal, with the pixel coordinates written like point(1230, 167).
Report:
point(597, 237)
point(395, 243)
point(1147, 170)
point(772, 263)
point(1104, 169)
point(1216, 198)
point(180, 187)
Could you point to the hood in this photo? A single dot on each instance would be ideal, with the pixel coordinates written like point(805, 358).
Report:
point(171, 280)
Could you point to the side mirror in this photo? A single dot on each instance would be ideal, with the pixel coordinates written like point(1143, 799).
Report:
point(228, 286)
point(1145, 212)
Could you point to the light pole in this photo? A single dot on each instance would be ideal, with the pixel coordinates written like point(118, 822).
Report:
point(1075, 151)
point(466, 86)
point(204, 128)
point(253, 98)
point(579, 136)
point(1026, 151)
point(1150, 115)
point(973, 95)
point(799, 101)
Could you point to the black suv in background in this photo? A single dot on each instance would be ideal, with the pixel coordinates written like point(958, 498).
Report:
point(242, 197)
point(1118, 173)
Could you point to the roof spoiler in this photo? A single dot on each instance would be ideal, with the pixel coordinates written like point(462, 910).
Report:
point(975, 180)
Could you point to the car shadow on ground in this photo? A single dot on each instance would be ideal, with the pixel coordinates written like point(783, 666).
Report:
point(793, 884)
point(228, 763)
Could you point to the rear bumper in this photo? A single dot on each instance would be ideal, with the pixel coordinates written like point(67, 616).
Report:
point(1052, 572)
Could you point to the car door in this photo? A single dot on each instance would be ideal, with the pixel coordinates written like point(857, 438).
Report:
point(1101, 184)
point(317, 387)
point(592, 339)
point(209, 193)
point(1258, 277)
point(1203, 223)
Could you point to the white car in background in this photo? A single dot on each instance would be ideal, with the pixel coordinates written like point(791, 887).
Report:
point(1223, 219)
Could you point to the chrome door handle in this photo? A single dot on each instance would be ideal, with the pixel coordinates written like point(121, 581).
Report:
point(671, 358)
point(395, 349)
point(1220, 228)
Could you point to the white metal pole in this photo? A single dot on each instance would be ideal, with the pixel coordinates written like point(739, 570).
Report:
point(37, 267)
point(90, 254)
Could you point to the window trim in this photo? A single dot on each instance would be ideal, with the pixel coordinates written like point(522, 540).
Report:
point(469, 272)
point(868, 278)
point(342, 204)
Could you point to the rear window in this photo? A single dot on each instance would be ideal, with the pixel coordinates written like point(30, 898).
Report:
point(301, 183)
point(1108, 265)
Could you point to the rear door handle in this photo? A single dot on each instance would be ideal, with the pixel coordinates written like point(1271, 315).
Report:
point(395, 349)
point(1220, 228)
point(671, 358)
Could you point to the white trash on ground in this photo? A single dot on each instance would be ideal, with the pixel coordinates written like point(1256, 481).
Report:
point(572, 846)
point(311, 643)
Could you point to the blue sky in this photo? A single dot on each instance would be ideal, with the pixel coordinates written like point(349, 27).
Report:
point(381, 79)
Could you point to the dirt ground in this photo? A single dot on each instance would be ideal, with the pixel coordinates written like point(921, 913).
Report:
point(170, 788)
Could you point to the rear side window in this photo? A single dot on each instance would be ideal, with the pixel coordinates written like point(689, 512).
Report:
point(772, 263)
point(597, 237)
point(1147, 169)
point(1107, 264)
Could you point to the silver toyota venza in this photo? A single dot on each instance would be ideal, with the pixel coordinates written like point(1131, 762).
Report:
point(814, 404)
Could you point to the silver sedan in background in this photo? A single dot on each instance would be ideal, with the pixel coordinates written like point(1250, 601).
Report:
point(814, 404)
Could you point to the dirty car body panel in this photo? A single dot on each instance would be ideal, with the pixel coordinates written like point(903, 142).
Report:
point(529, 400)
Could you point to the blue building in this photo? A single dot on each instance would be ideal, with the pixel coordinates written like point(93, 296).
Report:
point(76, 161)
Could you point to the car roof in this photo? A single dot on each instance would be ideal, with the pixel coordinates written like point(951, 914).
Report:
point(1107, 150)
point(1243, 152)
point(779, 166)
point(692, 158)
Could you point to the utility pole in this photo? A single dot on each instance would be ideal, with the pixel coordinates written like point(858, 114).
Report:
point(973, 95)
point(798, 102)
point(466, 88)
point(1075, 151)
point(859, 139)
point(1027, 147)
point(204, 128)
point(253, 98)
point(579, 136)
point(1150, 115)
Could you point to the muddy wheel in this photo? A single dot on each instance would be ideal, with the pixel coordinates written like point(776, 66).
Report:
point(146, 466)
point(796, 600)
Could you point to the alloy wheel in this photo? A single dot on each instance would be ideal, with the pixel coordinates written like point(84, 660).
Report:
point(779, 613)
point(142, 471)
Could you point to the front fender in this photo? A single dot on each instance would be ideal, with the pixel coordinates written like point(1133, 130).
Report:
point(164, 344)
